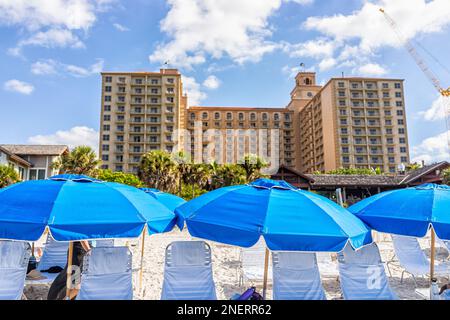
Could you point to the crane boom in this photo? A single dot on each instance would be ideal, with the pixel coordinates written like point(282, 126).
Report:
point(425, 69)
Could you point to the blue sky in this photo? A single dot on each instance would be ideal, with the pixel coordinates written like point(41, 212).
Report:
point(231, 52)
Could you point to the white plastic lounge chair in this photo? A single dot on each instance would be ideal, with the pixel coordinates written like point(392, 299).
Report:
point(252, 264)
point(296, 277)
point(188, 272)
point(413, 260)
point(107, 274)
point(54, 255)
point(362, 275)
point(14, 257)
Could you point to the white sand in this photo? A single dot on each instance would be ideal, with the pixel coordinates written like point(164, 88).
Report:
point(226, 268)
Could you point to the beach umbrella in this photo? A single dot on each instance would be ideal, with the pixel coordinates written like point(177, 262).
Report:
point(77, 207)
point(288, 218)
point(169, 200)
point(409, 212)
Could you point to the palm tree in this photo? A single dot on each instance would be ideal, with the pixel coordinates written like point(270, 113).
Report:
point(253, 165)
point(226, 175)
point(81, 160)
point(8, 176)
point(158, 170)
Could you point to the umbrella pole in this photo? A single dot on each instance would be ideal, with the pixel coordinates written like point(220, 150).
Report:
point(266, 271)
point(141, 272)
point(32, 250)
point(432, 255)
point(69, 271)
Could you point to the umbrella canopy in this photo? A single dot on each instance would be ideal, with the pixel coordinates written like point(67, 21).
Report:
point(76, 207)
point(409, 211)
point(288, 218)
point(169, 200)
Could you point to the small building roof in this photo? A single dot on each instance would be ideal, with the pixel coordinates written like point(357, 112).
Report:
point(416, 174)
point(353, 180)
point(36, 150)
point(15, 157)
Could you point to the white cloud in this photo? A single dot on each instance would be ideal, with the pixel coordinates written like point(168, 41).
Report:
point(120, 27)
point(371, 29)
point(193, 90)
point(51, 23)
point(77, 71)
point(53, 38)
point(49, 66)
point(353, 39)
point(44, 67)
point(199, 29)
point(302, 2)
point(212, 82)
point(371, 69)
point(73, 137)
point(18, 86)
point(327, 64)
point(438, 109)
point(432, 149)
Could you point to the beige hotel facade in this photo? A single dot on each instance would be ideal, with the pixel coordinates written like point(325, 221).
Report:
point(348, 122)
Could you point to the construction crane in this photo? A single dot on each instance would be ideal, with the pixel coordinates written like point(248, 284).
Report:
point(425, 69)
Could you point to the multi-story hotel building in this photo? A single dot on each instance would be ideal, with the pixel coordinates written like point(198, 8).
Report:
point(354, 122)
point(349, 122)
point(141, 112)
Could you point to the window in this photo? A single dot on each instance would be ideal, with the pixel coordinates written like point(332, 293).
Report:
point(390, 150)
point(138, 81)
point(385, 85)
point(387, 103)
point(229, 116)
point(342, 103)
point(107, 107)
point(399, 103)
point(401, 130)
point(400, 112)
point(37, 174)
point(105, 157)
point(122, 79)
point(170, 80)
point(252, 116)
point(403, 149)
point(108, 89)
point(397, 85)
point(106, 117)
point(105, 137)
point(105, 147)
point(154, 91)
point(106, 127)
point(217, 115)
point(398, 94)
point(402, 140)
point(107, 98)
point(341, 93)
point(205, 115)
point(108, 79)
point(404, 159)
point(400, 121)
point(154, 81)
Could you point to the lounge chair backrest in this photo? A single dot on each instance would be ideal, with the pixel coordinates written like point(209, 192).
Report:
point(410, 255)
point(364, 279)
point(14, 257)
point(104, 243)
point(367, 255)
point(188, 272)
point(107, 274)
point(296, 276)
point(54, 255)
